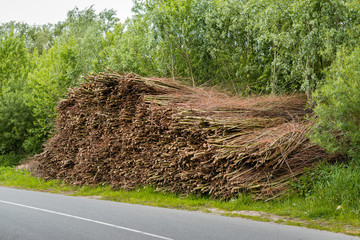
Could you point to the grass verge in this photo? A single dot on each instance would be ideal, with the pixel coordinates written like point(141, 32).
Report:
point(304, 210)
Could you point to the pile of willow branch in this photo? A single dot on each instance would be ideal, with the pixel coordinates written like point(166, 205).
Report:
point(127, 131)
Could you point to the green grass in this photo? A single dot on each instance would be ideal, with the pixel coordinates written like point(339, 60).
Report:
point(314, 208)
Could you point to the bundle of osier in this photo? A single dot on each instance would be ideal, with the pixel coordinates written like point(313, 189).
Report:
point(128, 131)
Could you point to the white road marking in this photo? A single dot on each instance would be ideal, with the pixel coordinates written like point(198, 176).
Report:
point(88, 220)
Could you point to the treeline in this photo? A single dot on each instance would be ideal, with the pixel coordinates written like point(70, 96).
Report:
point(246, 46)
point(38, 65)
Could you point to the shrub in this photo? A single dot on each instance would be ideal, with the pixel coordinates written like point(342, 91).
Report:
point(10, 160)
point(337, 123)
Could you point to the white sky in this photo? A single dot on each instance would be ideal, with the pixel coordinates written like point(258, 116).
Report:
point(49, 11)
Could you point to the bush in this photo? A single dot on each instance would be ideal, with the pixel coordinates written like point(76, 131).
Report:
point(15, 117)
point(15, 121)
point(10, 160)
point(337, 123)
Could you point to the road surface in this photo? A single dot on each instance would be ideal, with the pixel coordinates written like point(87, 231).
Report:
point(26, 215)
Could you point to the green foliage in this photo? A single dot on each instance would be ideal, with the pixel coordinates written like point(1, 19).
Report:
point(16, 120)
point(87, 31)
point(337, 126)
point(133, 50)
point(331, 190)
point(37, 38)
point(10, 160)
point(250, 47)
point(56, 70)
point(15, 117)
point(14, 57)
point(339, 186)
point(75, 52)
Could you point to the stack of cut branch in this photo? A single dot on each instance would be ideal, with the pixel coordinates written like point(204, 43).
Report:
point(129, 131)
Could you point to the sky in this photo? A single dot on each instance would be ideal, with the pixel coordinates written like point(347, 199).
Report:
point(46, 11)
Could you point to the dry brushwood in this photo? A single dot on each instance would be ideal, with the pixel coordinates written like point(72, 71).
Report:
point(128, 131)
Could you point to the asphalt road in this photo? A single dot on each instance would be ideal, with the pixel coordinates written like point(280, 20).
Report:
point(26, 215)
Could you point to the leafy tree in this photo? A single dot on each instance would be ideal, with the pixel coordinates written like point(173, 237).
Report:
point(14, 58)
point(337, 126)
point(206, 41)
point(15, 120)
point(170, 24)
point(15, 117)
point(265, 46)
point(75, 52)
point(270, 22)
point(56, 70)
point(318, 29)
point(134, 50)
point(228, 41)
point(87, 30)
point(35, 37)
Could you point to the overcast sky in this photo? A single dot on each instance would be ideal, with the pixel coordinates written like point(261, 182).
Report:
point(49, 11)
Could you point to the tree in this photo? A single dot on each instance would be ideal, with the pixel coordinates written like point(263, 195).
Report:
point(320, 27)
point(36, 37)
point(337, 123)
point(15, 117)
point(56, 70)
point(87, 31)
